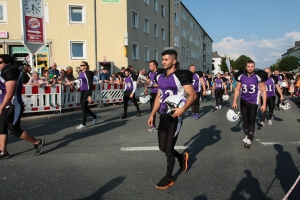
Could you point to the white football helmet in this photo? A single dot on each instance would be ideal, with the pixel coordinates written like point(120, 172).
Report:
point(76, 84)
point(144, 98)
point(285, 105)
point(174, 101)
point(283, 84)
point(233, 115)
point(225, 97)
point(208, 92)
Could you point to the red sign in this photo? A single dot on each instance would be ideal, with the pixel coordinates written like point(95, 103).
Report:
point(3, 34)
point(34, 29)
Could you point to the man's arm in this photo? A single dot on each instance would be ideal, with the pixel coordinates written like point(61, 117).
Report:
point(264, 96)
point(189, 90)
point(225, 87)
point(204, 88)
point(236, 94)
point(155, 108)
point(10, 87)
point(279, 91)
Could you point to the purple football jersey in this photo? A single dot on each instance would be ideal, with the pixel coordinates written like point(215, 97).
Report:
point(196, 82)
point(129, 81)
point(270, 86)
point(172, 85)
point(153, 81)
point(219, 84)
point(84, 82)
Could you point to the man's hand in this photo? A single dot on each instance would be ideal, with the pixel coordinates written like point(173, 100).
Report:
point(263, 108)
point(1, 109)
point(204, 93)
point(131, 95)
point(281, 98)
point(150, 121)
point(146, 92)
point(178, 112)
point(234, 105)
point(90, 100)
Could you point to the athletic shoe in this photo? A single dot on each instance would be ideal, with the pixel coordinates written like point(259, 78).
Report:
point(4, 156)
point(247, 143)
point(164, 183)
point(138, 114)
point(192, 116)
point(153, 128)
point(80, 126)
point(270, 122)
point(95, 120)
point(185, 156)
point(220, 106)
point(196, 116)
point(244, 140)
point(262, 124)
point(39, 147)
point(217, 107)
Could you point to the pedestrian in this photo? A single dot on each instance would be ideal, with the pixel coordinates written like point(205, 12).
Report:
point(130, 83)
point(252, 85)
point(12, 106)
point(86, 86)
point(219, 87)
point(26, 73)
point(171, 82)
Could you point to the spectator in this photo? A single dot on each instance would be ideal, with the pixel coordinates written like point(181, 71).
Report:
point(35, 80)
point(62, 79)
point(123, 72)
point(130, 67)
point(103, 76)
point(69, 74)
point(26, 73)
point(53, 70)
point(142, 78)
point(77, 70)
point(46, 78)
point(118, 78)
point(96, 77)
point(112, 77)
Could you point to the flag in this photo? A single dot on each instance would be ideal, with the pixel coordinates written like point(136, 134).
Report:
point(228, 64)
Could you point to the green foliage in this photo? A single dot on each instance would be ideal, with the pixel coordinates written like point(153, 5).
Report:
point(275, 66)
point(288, 64)
point(240, 63)
point(224, 67)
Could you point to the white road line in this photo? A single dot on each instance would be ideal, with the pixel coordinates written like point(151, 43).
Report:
point(151, 148)
point(34, 126)
point(269, 143)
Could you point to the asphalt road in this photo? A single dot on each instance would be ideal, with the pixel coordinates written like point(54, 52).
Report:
point(118, 159)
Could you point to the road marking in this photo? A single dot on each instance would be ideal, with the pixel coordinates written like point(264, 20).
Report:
point(269, 143)
point(281, 143)
point(34, 126)
point(151, 148)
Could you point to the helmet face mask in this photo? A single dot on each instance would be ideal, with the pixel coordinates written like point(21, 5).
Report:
point(174, 101)
point(225, 97)
point(144, 98)
point(77, 84)
point(285, 105)
point(208, 92)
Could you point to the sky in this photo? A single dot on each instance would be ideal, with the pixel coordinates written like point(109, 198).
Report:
point(260, 29)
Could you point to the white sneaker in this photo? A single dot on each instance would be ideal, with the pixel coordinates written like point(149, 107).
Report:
point(270, 122)
point(248, 143)
point(244, 140)
point(217, 107)
point(220, 106)
point(95, 120)
point(152, 129)
point(262, 124)
point(80, 126)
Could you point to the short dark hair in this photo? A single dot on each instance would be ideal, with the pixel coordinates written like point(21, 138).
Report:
point(250, 61)
point(7, 59)
point(122, 68)
point(170, 52)
point(128, 70)
point(155, 62)
point(192, 65)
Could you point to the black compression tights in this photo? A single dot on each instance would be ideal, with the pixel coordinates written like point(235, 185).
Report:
point(249, 112)
point(166, 130)
point(218, 96)
point(271, 105)
point(196, 105)
point(84, 106)
point(126, 98)
point(152, 100)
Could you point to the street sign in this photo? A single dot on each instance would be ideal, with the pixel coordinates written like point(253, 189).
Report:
point(33, 26)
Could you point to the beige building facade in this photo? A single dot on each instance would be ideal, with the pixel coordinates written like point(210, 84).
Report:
point(109, 33)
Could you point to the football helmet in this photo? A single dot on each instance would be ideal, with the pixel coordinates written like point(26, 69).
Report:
point(285, 105)
point(144, 98)
point(225, 97)
point(76, 84)
point(233, 115)
point(283, 84)
point(174, 101)
point(208, 92)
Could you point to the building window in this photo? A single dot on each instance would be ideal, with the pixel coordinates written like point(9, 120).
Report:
point(155, 54)
point(176, 20)
point(76, 14)
point(46, 13)
point(155, 5)
point(183, 50)
point(177, 2)
point(3, 12)
point(155, 31)
point(134, 19)
point(176, 40)
point(146, 2)
point(163, 34)
point(146, 25)
point(183, 32)
point(183, 16)
point(163, 11)
point(135, 51)
point(77, 50)
point(146, 53)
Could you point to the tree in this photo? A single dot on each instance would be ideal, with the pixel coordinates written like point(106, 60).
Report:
point(275, 66)
point(224, 67)
point(288, 64)
point(240, 63)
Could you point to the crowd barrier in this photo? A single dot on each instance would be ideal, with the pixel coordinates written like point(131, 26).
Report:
point(58, 97)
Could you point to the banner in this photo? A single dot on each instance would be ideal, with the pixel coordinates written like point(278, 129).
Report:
point(228, 64)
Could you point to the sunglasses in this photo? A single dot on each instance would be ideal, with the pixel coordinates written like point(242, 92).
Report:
point(1, 62)
point(82, 65)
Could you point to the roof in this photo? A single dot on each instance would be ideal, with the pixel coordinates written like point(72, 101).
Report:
point(195, 20)
point(215, 55)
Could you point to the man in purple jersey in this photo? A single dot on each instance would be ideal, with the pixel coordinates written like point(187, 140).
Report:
point(271, 85)
point(218, 88)
point(171, 82)
point(151, 83)
point(130, 82)
point(86, 87)
point(280, 79)
point(252, 85)
point(198, 80)
point(11, 107)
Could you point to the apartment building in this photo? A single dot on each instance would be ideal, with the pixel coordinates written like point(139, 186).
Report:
point(108, 33)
